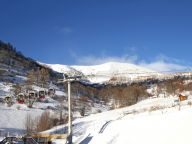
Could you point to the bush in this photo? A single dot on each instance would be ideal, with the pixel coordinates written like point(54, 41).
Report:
point(82, 111)
point(29, 124)
point(38, 124)
point(44, 122)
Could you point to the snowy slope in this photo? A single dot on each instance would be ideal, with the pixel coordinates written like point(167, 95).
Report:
point(159, 129)
point(154, 120)
point(104, 72)
point(137, 124)
point(112, 68)
point(61, 68)
point(13, 120)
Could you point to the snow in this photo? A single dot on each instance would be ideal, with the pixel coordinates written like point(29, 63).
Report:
point(4, 89)
point(104, 72)
point(60, 93)
point(111, 68)
point(60, 68)
point(159, 129)
point(59, 141)
point(136, 124)
point(157, 120)
point(13, 118)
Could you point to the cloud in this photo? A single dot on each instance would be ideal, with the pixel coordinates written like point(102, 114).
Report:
point(93, 60)
point(163, 63)
point(162, 66)
point(160, 63)
point(162, 57)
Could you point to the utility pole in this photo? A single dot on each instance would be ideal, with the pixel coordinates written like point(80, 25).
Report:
point(69, 80)
point(69, 114)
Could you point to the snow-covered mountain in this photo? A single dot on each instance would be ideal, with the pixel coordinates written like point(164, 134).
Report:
point(64, 69)
point(112, 68)
point(104, 72)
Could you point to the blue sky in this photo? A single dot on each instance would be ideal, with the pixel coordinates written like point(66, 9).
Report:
point(152, 33)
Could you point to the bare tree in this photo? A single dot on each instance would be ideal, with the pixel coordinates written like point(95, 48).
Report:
point(31, 77)
point(174, 85)
point(44, 122)
point(61, 109)
point(29, 124)
point(44, 77)
point(17, 89)
point(39, 77)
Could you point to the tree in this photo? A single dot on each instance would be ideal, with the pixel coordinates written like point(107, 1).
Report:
point(29, 124)
point(44, 77)
point(174, 85)
point(2, 73)
point(169, 86)
point(82, 111)
point(17, 89)
point(39, 77)
point(61, 109)
point(31, 78)
point(44, 122)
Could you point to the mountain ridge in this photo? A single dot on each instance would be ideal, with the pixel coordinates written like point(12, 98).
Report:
point(103, 72)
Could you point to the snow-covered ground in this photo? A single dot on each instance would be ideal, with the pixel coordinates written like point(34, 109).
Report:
point(104, 72)
point(156, 120)
point(12, 119)
point(147, 128)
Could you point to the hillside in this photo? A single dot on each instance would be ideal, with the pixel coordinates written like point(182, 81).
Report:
point(112, 68)
point(14, 63)
point(108, 83)
point(105, 72)
point(102, 88)
point(155, 120)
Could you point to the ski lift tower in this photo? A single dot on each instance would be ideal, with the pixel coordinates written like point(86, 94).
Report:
point(68, 80)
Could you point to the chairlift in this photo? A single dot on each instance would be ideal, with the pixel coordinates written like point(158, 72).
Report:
point(8, 100)
point(20, 98)
point(65, 76)
point(32, 95)
point(51, 92)
point(42, 94)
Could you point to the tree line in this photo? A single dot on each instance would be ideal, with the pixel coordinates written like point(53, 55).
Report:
point(121, 95)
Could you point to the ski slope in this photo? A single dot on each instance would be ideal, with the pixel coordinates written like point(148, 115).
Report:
point(137, 124)
point(159, 129)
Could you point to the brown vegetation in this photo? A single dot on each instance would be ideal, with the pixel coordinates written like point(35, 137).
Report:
point(39, 77)
point(182, 97)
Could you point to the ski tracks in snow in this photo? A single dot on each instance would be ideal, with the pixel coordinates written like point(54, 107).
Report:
point(108, 122)
point(104, 126)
